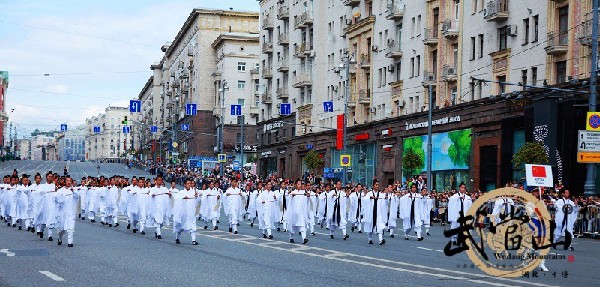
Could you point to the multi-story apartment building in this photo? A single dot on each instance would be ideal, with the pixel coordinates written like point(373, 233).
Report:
point(398, 50)
point(71, 144)
point(24, 149)
point(109, 142)
point(3, 115)
point(212, 46)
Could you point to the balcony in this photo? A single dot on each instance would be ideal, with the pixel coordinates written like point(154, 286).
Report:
point(266, 98)
point(282, 93)
point(283, 39)
point(395, 11)
point(365, 61)
point(364, 96)
point(496, 10)
point(351, 2)
point(283, 13)
point(254, 110)
point(449, 73)
point(254, 73)
point(429, 78)
point(267, 73)
point(305, 111)
point(283, 66)
point(299, 51)
point(308, 49)
point(267, 23)
point(304, 20)
point(450, 28)
point(267, 48)
point(430, 36)
point(557, 43)
point(394, 50)
point(584, 33)
point(303, 80)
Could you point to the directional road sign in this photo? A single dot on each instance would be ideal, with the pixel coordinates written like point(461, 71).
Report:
point(236, 110)
point(588, 141)
point(185, 127)
point(126, 129)
point(285, 109)
point(153, 129)
point(135, 106)
point(63, 127)
point(191, 109)
point(588, 157)
point(222, 157)
point(96, 130)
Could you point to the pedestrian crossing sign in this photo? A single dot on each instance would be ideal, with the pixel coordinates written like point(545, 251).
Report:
point(345, 160)
point(222, 157)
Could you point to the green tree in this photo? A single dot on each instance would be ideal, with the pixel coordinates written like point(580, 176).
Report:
point(530, 153)
point(415, 145)
point(460, 150)
point(313, 161)
point(411, 163)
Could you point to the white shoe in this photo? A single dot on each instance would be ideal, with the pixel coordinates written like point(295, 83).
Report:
point(543, 267)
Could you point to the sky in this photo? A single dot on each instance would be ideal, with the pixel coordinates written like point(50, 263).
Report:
point(68, 60)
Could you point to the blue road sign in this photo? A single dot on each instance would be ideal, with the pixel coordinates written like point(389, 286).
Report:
point(285, 109)
point(63, 127)
point(191, 109)
point(126, 129)
point(236, 165)
point(236, 110)
point(328, 107)
point(97, 130)
point(135, 106)
point(185, 127)
point(153, 129)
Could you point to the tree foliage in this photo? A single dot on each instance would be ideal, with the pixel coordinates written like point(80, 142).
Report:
point(412, 163)
point(313, 161)
point(530, 153)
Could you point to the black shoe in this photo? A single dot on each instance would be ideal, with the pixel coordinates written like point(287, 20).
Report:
point(215, 228)
point(352, 229)
point(264, 236)
point(205, 227)
point(102, 223)
point(159, 237)
point(382, 242)
point(278, 229)
point(305, 241)
point(117, 224)
point(292, 241)
point(32, 230)
point(427, 233)
point(218, 221)
point(14, 225)
point(360, 231)
point(235, 232)
point(42, 235)
point(331, 236)
point(252, 224)
point(346, 236)
point(370, 241)
point(134, 230)
point(109, 225)
point(69, 245)
point(392, 235)
point(50, 238)
point(230, 229)
point(20, 228)
point(405, 237)
point(270, 236)
point(285, 230)
point(312, 233)
point(93, 220)
point(571, 248)
point(59, 242)
point(155, 235)
point(194, 243)
point(128, 226)
point(177, 241)
point(83, 218)
point(143, 233)
point(420, 239)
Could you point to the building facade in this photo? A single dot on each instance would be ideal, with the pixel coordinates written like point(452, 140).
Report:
point(24, 149)
point(3, 115)
point(109, 141)
point(71, 144)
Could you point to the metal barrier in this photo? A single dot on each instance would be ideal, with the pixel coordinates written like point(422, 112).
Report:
point(587, 223)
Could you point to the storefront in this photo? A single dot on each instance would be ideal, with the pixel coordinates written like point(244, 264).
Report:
point(364, 161)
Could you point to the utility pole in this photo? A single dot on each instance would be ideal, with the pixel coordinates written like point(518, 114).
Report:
point(347, 93)
point(590, 181)
point(224, 88)
point(429, 136)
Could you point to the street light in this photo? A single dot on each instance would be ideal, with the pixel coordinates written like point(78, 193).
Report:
point(223, 89)
point(348, 60)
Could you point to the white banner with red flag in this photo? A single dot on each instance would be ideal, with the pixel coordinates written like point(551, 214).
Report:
point(539, 175)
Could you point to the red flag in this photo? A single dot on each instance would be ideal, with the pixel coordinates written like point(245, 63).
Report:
point(538, 171)
point(339, 143)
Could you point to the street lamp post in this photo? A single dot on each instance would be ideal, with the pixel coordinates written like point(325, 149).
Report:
point(429, 136)
point(590, 181)
point(224, 88)
point(347, 62)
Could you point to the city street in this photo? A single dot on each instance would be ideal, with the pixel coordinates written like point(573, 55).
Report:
point(105, 256)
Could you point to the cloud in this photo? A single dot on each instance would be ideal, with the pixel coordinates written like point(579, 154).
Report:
point(57, 89)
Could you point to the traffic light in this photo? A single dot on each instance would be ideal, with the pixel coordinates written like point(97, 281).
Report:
point(124, 121)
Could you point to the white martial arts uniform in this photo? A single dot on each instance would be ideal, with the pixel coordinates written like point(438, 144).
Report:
point(296, 214)
point(426, 207)
point(566, 214)
point(410, 212)
point(210, 209)
point(265, 203)
point(160, 204)
point(184, 217)
point(336, 211)
point(66, 212)
point(234, 207)
point(392, 213)
point(459, 202)
point(374, 214)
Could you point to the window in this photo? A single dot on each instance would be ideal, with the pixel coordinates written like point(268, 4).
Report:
point(525, 31)
point(418, 65)
point(412, 67)
point(561, 72)
point(412, 27)
point(241, 102)
point(384, 81)
point(563, 25)
point(241, 85)
point(501, 86)
point(480, 45)
point(534, 76)
point(473, 48)
point(380, 78)
point(536, 26)
point(475, 6)
point(398, 69)
point(418, 25)
point(241, 66)
point(524, 78)
point(502, 38)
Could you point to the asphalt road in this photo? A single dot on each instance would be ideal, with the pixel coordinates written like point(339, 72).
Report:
point(105, 256)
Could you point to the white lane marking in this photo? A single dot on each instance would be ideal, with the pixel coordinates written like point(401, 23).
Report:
point(7, 252)
point(425, 248)
point(52, 276)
